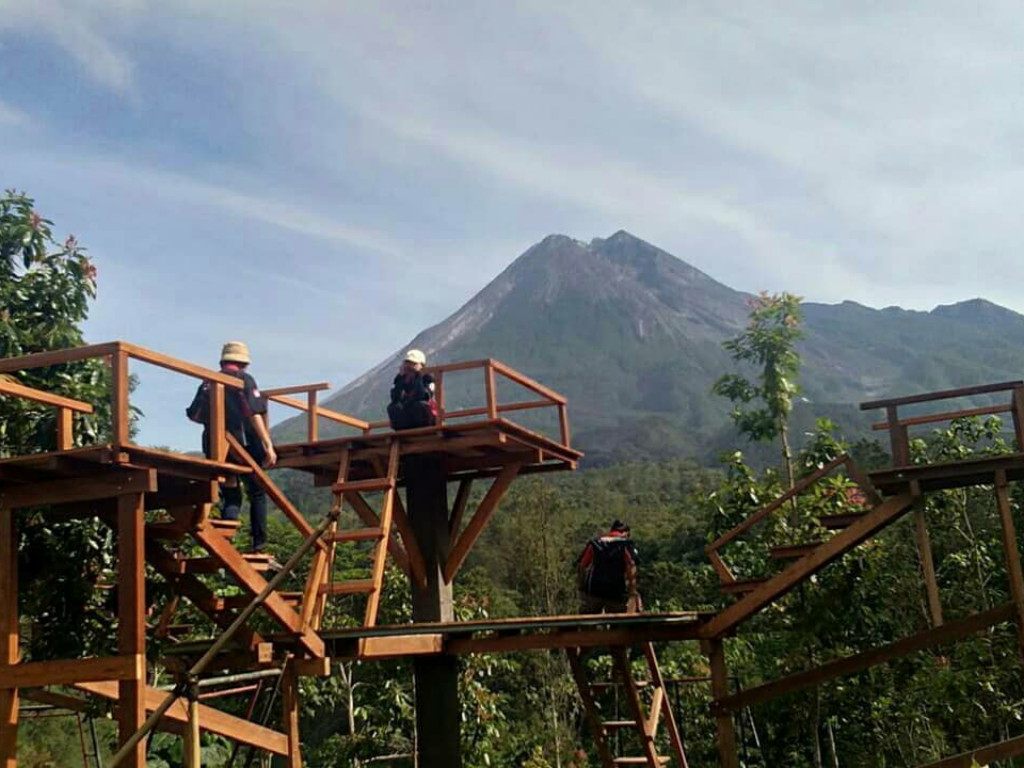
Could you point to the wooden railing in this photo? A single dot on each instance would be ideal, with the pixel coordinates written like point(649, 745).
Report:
point(853, 472)
point(492, 408)
point(898, 427)
point(66, 408)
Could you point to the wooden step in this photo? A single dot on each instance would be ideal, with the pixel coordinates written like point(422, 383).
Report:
point(260, 561)
point(662, 760)
point(225, 527)
point(350, 587)
point(364, 486)
point(794, 551)
point(838, 522)
point(357, 534)
point(612, 725)
point(742, 587)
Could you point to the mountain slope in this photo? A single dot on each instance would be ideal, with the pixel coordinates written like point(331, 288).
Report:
point(632, 336)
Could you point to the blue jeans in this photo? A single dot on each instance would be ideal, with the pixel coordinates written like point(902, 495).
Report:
point(231, 495)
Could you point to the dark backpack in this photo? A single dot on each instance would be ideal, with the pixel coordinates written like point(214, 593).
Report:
point(199, 410)
point(605, 577)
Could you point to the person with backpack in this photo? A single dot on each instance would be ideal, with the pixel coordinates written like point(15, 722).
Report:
point(245, 418)
point(412, 394)
point(607, 573)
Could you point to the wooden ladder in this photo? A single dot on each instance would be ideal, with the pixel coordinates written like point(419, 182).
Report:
point(644, 723)
point(322, 585)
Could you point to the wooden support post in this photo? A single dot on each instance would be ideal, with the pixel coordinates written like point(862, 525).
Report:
point(439, 396)
point(312, 417)
point(8, 637)
point(490, 386)
point(1010, 551)
point(728, 757)
point(217, 427)
point(131, 611)
point(65, 429)
point(459, 508)
point(1017, 408)
point(438, 716)
point(290, 712)
point(924, 550)
point(563, 423)
point(120, 414)
point(897, 438)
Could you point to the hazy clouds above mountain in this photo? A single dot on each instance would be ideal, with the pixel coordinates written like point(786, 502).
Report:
point(324, 162)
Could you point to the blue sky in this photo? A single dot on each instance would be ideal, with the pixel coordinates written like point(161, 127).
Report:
point(325, 179)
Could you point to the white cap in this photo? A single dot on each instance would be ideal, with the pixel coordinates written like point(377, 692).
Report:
point(416, 356)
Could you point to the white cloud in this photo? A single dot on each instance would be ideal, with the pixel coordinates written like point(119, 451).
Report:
point(12, 117)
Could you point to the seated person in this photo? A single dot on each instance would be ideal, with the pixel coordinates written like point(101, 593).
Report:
point(412, 396)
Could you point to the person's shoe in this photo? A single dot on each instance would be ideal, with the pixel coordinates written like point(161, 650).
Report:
point(274, 565)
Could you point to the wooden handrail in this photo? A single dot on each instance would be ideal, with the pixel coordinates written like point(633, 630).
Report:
point(945, 394)
point(297, 389)
point(46, 398)
point(800, 487)
point(946, 416)
point(327, 413)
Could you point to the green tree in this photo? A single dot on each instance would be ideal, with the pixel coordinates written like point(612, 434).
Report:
point(769, 344)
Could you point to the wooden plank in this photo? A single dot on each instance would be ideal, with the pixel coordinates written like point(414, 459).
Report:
point(131, 615)
point(502, 408)
point(9, 637)
point(210, 719)
point(395, 647)
point(102, 485)
point(944, 394)
point(898, 441)
point(880, 655)
point(1018, 416)
point(982, 755)
point(1012, 555)
point(881, 516)
point(71, 405)
point(298, 389)
point(491, 390)
point(527, 382)
point(179, 366)
point(459, 507)
point(563, 423)
point(39, 674)
point(465, 542)
point(326, 413)
point(933, 418)
point(312, 417)
point(589, 708)
point(570, 638)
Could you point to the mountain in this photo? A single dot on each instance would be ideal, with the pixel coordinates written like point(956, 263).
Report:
point(632, 336)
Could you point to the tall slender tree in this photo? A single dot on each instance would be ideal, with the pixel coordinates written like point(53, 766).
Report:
point(762, 407)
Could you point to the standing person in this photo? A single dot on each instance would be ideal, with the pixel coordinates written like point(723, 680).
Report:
point(412, 395)
point(607, 573)
point(245, 418)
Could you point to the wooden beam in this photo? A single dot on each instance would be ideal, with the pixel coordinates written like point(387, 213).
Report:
point(210, 719)
point(945, 394)
point(131, 614)
point(870, 658)
point(217, 427)
point(396, 647)
point(395, 548)
point(298, 389)
point(1012, 555)
point(38, 674)
point(924, 550)
point(983, 755)
point(775, 587)
point(290, 715)
point(312, 417)
point(120, 412)
point(71, 405)
point(459, 507)
point(65, 429)
point(57, 357)
point(102, 485)
point(590, 712)
point(491, 389)
point(932, 418)
point(9, 637)
point(634, 706)
point(417, 565)
point(664, 707)
point(476, 526)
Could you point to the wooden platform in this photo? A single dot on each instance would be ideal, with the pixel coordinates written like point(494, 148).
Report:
point(977, 470)
point(472, 449)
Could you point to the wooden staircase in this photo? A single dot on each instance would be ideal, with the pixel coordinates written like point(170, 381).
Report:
point(804, 559)
point(644, 717)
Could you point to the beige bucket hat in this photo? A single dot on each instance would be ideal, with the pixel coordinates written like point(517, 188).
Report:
point(235, 352)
